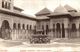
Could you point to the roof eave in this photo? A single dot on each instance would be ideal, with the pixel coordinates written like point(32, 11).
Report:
point(16, 14)
point(59, 15)
point(18, 8)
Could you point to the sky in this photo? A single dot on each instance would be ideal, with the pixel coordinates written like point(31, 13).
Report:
point(33, 6)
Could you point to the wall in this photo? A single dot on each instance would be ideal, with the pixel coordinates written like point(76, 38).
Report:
point(18, 34)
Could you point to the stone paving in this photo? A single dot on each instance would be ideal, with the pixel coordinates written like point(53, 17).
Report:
point(65, 45)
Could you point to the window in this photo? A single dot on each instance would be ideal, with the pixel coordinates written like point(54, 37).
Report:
point(6, 4)
point(3, 4)
point(9, 5)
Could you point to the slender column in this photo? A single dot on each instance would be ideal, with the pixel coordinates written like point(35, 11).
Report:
point(66, 33)
point(66, 26)
point(77, 31)
point(66, 30)
point(55, 31)
point(60, 30)
point(51, 32)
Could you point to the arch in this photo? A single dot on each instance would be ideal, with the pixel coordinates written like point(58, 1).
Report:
point(19, 26)
point(14, 26)
point(73, 27)
point(5, 30)
point(73, 31)
point(58, 26)
point(58, 30)
point(5, 25)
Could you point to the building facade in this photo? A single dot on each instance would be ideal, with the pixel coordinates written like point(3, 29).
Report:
point(64, 22)
point(13, 24)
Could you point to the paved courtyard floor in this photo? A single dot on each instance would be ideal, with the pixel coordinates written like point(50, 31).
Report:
point(58, 44)
point(54, 43)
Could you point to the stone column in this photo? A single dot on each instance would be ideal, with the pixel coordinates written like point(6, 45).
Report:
point(77, 27)
point(66, 28)
point(51, 27)
point(61, 30)
point(55, 31)
point(66, 32)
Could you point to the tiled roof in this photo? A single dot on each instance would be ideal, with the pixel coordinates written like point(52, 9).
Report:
point(60, 9)
point(16, 14)
point(43, 11)
point(67, 7)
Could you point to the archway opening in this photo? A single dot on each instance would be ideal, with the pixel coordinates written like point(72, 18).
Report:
point(58, 27)
point(73, 28)
point(73, 31)
point(5, 25)
point(5, 30)
point(58, 30)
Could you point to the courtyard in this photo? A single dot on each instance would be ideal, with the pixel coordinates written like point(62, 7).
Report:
point(57, 45)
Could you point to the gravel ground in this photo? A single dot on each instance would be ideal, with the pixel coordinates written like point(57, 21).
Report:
point(55, 43)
